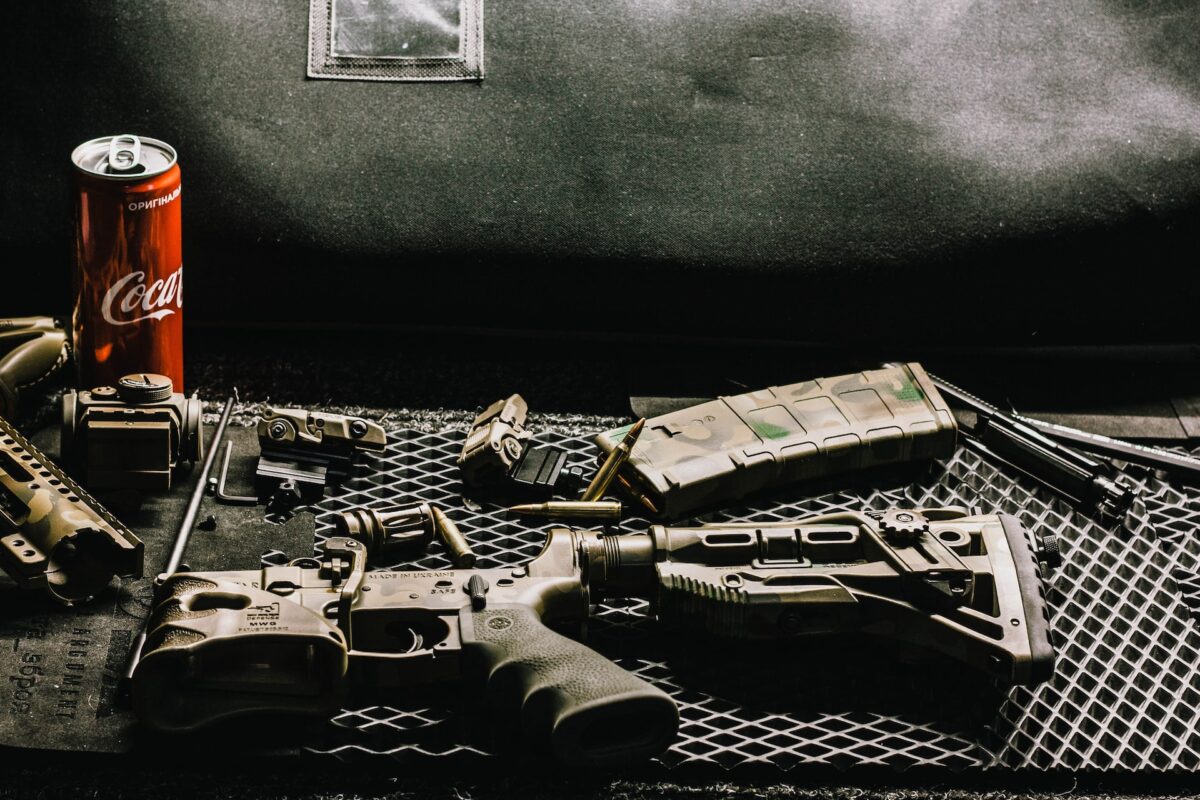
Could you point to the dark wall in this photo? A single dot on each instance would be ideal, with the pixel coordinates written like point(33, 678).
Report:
point(1017, 172)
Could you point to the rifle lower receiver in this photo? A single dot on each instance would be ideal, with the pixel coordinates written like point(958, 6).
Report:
point(219, 646)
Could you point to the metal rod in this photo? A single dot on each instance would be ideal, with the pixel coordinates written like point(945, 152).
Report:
point(223, 496)
point(125, 685)
point(193, 508)
point(1080, 479)
point(1153, 457)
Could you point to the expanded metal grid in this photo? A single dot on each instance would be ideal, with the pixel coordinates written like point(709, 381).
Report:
point(1124, 696)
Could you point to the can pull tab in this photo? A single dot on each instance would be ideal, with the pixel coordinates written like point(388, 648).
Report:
point(125, 154)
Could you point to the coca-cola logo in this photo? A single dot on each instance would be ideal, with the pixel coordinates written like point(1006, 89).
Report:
point(130, 300)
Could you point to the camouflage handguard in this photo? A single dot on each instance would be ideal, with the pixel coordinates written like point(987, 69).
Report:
point(53, 534)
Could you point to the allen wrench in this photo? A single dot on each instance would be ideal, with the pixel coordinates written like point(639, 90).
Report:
point(218, 485)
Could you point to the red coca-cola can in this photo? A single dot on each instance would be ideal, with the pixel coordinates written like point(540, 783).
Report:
point(128, 270)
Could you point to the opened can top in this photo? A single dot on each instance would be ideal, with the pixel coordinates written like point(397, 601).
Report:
point(125, 157)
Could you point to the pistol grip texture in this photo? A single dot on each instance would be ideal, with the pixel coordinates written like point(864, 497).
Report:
point(1033, 597)
point(592, 712)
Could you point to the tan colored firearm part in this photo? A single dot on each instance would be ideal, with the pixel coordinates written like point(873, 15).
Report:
point(968, 587)
point(336, 434)
point(495, 442)
point(131, 436)
point(32, 349)
point(53, 534)
point(290, 638)
point(725, 449)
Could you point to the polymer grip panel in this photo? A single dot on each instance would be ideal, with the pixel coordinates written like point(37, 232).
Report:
point(712, 454)
point(591, 712)
point(218, 649)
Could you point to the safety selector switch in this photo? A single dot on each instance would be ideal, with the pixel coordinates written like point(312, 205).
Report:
point(477, 588)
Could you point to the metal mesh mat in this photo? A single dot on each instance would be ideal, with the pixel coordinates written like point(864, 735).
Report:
point(1124, 696)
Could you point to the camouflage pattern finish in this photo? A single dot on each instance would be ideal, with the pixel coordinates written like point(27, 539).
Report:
point(495, 443)
point(32, 350)
point(727, 448)
point(53, 534)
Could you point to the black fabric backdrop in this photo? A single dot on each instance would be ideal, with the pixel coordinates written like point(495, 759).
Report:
point(1019, 172)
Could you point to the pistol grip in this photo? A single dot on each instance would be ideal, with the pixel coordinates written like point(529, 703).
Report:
point(592, 712)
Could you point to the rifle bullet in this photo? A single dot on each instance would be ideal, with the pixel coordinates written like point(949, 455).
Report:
point(616, 459)
point(456, 543)
point(570, 509)
point(637, 494)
